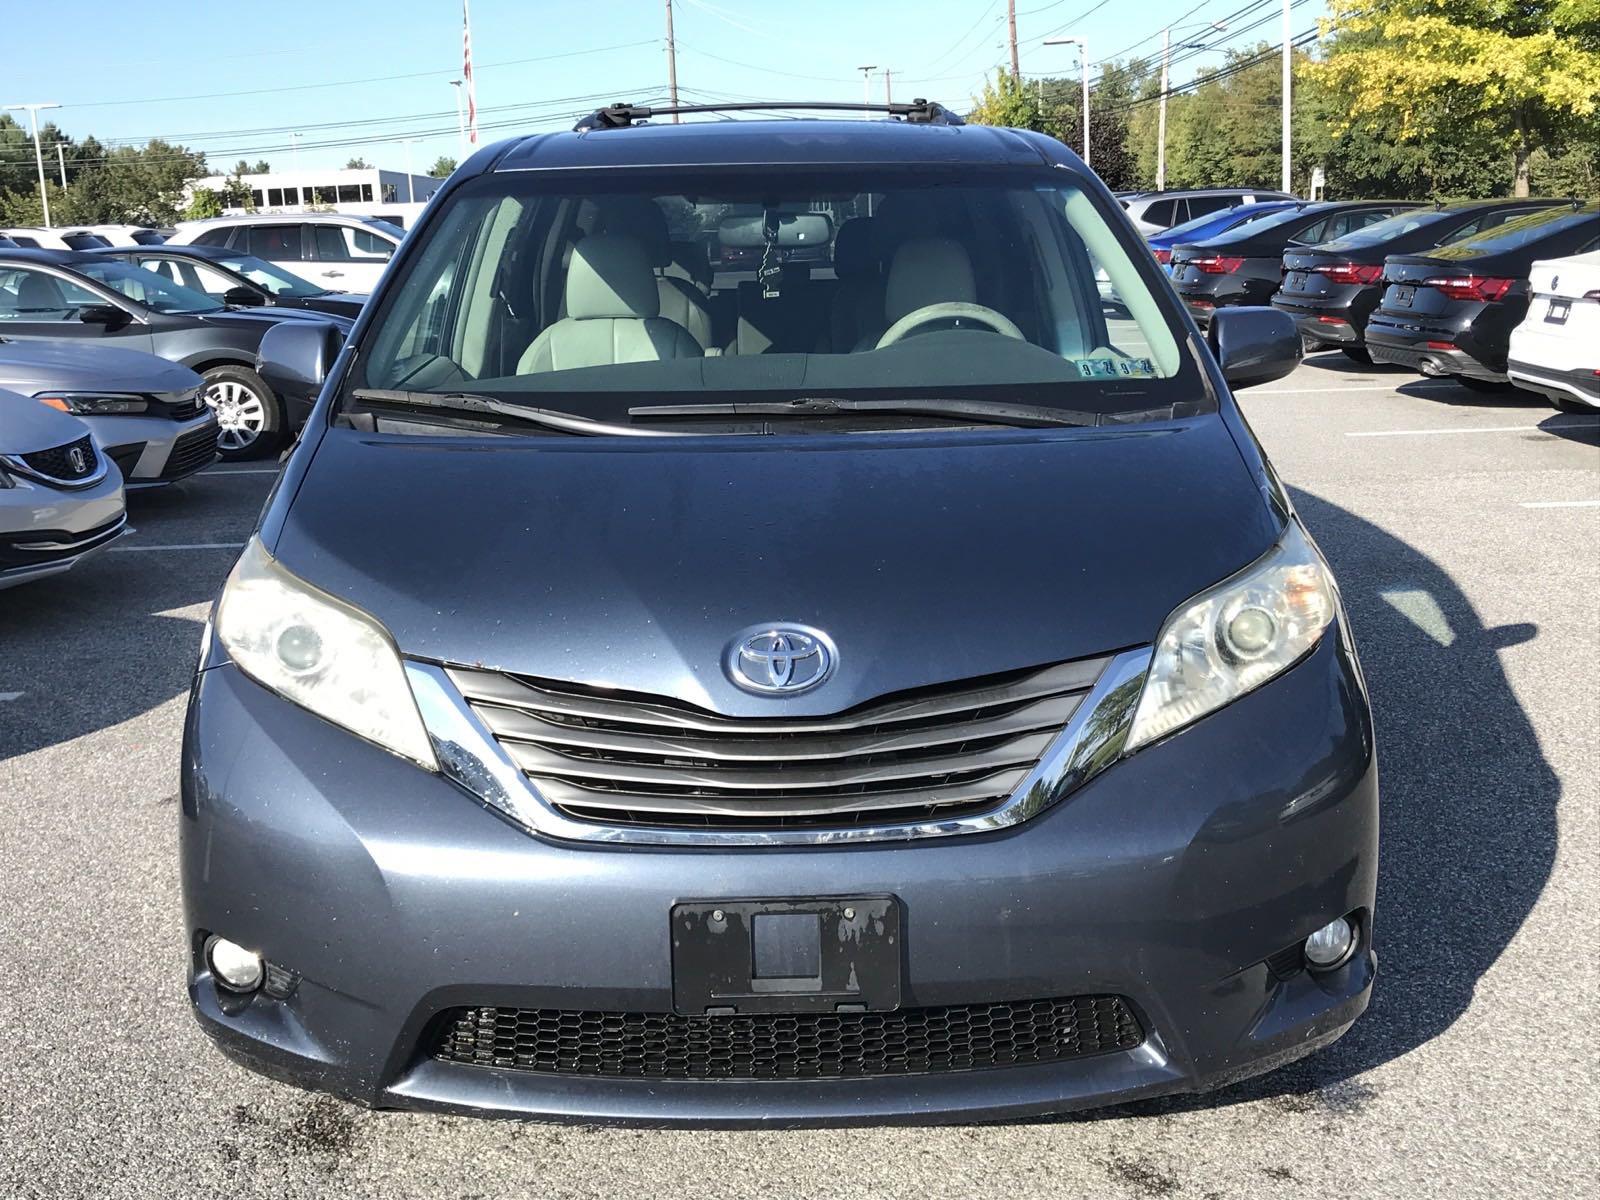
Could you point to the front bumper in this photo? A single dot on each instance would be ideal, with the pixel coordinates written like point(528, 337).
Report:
point(1169, 880)
point(152, 450)
point(45, 531)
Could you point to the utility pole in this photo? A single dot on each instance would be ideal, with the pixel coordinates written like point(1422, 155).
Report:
point(411, 180)
point(1011, 23)
point(461, 124)
point(1286, 172)
point(1083, 69)
point(38, 154)
point(61, 158)
point(866, 87)
point(888, 86)
point(1161, 121)
point(294, 149)
point(672, 64)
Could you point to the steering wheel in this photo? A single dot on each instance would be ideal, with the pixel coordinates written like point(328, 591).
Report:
point(949, 310)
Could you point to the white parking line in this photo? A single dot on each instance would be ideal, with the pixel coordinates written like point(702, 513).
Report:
point(5, 697)
point(178, 546)
point(1560, 504)
point(1476, 429)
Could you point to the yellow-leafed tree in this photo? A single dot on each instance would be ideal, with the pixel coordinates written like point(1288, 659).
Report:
point(1528, 68)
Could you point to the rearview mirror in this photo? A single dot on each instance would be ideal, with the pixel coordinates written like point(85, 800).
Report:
point(1253, 345)
point(108, 315)
point(243, 297)
point(295, 357)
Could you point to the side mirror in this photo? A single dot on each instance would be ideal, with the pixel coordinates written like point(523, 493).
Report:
point(108, 315)
point(295, 357)
point(243, 297)
point(1253, 345)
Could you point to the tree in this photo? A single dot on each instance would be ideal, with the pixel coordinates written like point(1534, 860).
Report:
point(205, 203)
point(1527, 70)
point(260, 167)
point(1006, 102)
point(442, 167)
point(358, 164)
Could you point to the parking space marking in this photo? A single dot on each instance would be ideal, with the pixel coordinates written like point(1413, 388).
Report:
point(1560, 504)
point(179, 546)
point(1546, 428)
point(5, 697)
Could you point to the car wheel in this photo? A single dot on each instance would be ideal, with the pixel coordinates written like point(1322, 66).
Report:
point(1483, 385)
point(248, 414)
point(1358, 353)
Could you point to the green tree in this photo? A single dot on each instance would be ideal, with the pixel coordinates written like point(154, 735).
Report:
point(442, 167)
point(205, 203)
point(358, 164)
point(1005, 101)
point(1527, 70)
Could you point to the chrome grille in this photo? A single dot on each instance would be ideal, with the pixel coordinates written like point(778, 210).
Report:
point(620, 759)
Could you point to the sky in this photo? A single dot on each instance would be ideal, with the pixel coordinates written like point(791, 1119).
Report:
point(355, 77)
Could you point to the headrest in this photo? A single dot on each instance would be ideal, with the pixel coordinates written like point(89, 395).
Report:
point(39, 291)
point(927, 271)
point(689, 262)
point(856, 252)
point(640, 218)
point(610, 277)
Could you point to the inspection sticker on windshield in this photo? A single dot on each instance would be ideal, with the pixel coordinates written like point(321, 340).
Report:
point(1116, 368)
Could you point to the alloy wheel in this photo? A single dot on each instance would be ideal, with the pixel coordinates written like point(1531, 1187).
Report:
point(241, 414)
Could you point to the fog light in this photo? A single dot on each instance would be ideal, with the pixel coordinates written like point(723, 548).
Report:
point(235, 968)
point(1330, 946)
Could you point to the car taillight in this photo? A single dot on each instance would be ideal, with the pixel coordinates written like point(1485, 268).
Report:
point(1163, 257)
point(1217, 264)
point(1594, 295)
point(1471, 287)
point(1342, 272)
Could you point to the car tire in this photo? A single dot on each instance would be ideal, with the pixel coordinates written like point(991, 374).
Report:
point(250, 416)
point(1359, 354)
point(1483, 385)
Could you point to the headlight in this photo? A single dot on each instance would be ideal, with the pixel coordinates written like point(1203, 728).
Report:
point(319, 653)
point(1235, 637)
point(93, 404)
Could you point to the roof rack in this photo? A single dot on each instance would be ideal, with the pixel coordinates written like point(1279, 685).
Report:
point(620, 116)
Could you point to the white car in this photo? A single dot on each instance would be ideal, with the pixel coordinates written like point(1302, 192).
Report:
point(129, 235)
point(67, 237)
point(347, 253)
point(1556, 349)
point(60, 498)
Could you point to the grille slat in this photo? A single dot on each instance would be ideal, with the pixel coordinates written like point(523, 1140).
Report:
point(57, 462)
point(610, 757)
point(910, 1041)
point(193, 450)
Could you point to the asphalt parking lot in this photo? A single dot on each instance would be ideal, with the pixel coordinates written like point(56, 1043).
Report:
point(1465, 531)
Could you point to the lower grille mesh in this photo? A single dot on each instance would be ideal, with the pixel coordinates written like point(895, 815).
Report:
point(195, 449)
point(912, 1041)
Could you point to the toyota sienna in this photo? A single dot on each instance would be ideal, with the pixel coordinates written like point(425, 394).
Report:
point(917, 701)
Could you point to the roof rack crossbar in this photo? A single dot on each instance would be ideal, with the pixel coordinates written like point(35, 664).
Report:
point(621, 116)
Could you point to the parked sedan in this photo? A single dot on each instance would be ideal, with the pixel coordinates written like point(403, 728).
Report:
point(90, 300)
point(1245, 266)
point(234, 277)
point(1451, 311)
point(1212, 224)
point(1556, 349)
point(146, 413)
point(60, 499)
point(1330, 290)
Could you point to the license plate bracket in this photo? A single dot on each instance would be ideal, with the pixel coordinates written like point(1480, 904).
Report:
point(1558, 312)
point(1404, 293)
point(802, 955)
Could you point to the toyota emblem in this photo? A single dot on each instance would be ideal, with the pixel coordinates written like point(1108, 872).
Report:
point(779, 659)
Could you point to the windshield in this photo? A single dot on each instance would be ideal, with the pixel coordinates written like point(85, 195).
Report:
point(1515, 234)
point(270, 278)
point(147, 288)
point(586, 293)
point(1389, 227)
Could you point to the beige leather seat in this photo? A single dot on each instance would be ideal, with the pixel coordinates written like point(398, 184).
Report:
point(641, 218)
point(613, 313)
point(924, 271)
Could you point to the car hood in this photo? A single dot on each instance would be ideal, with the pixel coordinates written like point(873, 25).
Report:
point(261, 318)
point(927, 557)
point(26, 425)
point(33, 366)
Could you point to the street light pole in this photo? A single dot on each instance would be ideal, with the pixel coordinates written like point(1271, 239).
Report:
point(1083, 68)
point(38, 153)
point(61, 157)
point(1286, 172)
point(866, 87)
point(411, 180)
point(1161, 121)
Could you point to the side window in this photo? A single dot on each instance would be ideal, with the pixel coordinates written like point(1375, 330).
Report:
point(1160, 213)
point(1313, 233)
point(207, 279)
point(362, 244)
point(275, 243)
point(27, 295)
point(214, 237)
point(1199, 206)
point(329, 240)
point(161, 266)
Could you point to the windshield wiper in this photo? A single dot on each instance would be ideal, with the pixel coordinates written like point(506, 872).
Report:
point(982, 411)
point(482, 406)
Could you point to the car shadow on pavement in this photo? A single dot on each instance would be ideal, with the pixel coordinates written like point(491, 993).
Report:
point(1583, 428)
point(1468, 825)
point(1336, 362)
point(106, 641)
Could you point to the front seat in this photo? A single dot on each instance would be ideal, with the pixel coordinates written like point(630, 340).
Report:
point(613, 313)
point(858, 301)
point(39, 293)
point(924, 271)
point(641, 217)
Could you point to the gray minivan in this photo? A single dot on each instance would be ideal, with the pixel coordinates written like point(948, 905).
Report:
point(935, 713)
